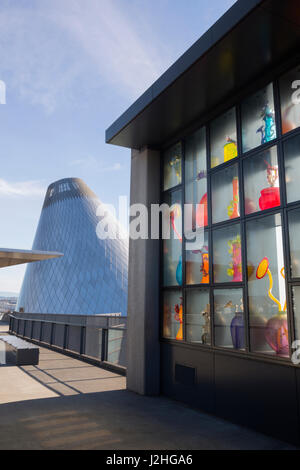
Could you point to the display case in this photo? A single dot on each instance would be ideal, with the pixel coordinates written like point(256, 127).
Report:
point(261, 181)
point(172, 160)
point(225, 194)
point(227, 254)
point(258, 119)
point(290, 100)
point(196, 177)
point(229, 321)
point(198, 329)
point(291, 151)
point(266, 286)
point(173, 315)
point(294, 231)
point(172, 246)
point(237, 264)
point(223, 138)
point(197, 259)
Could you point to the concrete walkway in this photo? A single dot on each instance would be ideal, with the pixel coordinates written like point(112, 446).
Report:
point(67, 404)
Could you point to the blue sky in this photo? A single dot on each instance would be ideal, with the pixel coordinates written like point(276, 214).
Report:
point(71, 67)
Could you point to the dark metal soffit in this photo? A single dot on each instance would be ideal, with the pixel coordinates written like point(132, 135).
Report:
point(251, 37)
point(10, 257)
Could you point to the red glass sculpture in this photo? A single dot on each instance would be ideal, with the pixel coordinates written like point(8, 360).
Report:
point(270, 197)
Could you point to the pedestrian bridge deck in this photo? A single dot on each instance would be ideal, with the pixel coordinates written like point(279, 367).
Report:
point(64, 403)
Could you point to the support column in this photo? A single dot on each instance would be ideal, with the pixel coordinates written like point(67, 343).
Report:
point(143, 347)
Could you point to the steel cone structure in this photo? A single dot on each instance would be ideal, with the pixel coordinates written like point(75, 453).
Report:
point(92, 276)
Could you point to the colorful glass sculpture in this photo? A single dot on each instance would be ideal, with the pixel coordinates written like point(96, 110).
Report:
point(237, 329)
point(235, 250)
point(175, 164)
point(233, 208)
point(179, 272)
point(205, 268)
point(179, 318)
point(270, 197)
point(230, 150)
point(276, 332)
point(268, 129)
point(206, 327)
point(176, 223)
point(202, 214)
point(287, 124)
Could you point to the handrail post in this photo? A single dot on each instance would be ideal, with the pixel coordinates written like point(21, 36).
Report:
point(65, 336)
point(41, 330)
point(31, 333)
point(24, 329)
point(52, 333)
point(104, 345)
point(82, 340)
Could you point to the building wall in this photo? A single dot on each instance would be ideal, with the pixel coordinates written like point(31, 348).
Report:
point(92, 277)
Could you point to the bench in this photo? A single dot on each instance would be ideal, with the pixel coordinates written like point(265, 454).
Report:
point(19, 352)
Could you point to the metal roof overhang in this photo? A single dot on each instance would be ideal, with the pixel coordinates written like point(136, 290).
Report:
point(251, 37)
point(12, 257)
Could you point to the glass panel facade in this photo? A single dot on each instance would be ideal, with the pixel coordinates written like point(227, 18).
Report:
point(225, 195)
point(172, 167)
point(290, 100)
point(227, 254)
point(173, 315)
point(229, 322)
point(294, 230)
point(226, 225)
point(291, 149)
point(223, 138)
point(198, 317)
point(266, 286)
point(92, 276)
point(172, 249)
point(262, 190)
point(258, 119)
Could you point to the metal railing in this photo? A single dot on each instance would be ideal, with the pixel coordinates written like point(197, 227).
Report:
point(101, 338)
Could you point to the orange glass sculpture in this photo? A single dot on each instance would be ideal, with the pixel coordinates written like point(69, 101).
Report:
point(276, 332)
point(179, 318)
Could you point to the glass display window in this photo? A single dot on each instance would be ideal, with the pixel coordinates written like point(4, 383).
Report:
point(223, 138)
point(197, 259)
point(229, 320)
point(196, 177)
point(227, 254)
point(172, 247)
point(198, 317)
point(266, 286)
point(225, 194)
point(173, 315)
point(258, 119)
point(294, 230)
point(290, 100)
point(291, 150)
point(261, 181)
point(203, 264)
point(172, 167)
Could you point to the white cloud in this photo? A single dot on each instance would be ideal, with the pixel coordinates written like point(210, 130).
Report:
point(21, 189)
point(92, 163)
point(59, 50)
